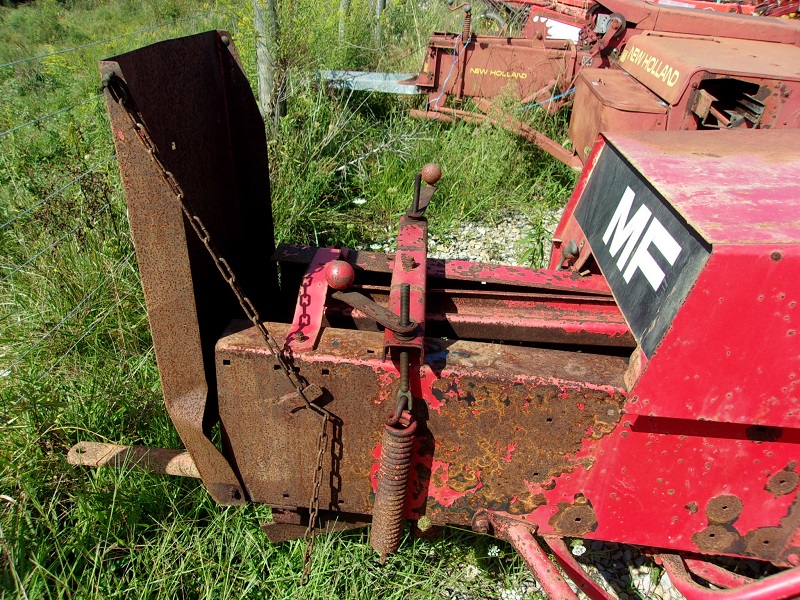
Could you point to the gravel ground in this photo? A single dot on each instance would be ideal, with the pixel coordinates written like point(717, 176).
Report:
point(507, 240)
point(618, 569)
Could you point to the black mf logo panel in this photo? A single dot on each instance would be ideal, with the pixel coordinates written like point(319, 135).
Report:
point(647, 252)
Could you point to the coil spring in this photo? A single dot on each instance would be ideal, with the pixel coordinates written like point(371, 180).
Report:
point(397, 443)
point(466, 32)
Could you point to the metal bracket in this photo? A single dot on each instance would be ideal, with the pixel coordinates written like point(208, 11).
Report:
point(375, 311)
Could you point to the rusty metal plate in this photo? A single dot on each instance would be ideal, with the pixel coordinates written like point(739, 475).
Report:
point(197, 105)
point(499, 420)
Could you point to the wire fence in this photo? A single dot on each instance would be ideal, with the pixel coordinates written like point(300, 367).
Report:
point(101, 42)
point(52, 195)
point(48, 116)
point(67, 317)
point(66, 230)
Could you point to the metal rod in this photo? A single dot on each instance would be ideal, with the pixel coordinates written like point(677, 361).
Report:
point(781, 586)
point(404, 371)
point(156, 460)
point(715, 574)
point(540, 565)
point(417, 188)
point(405, 304)
point(574, 571)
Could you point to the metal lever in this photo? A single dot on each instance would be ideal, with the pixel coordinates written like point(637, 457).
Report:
point(431, 173)
point(375, 311)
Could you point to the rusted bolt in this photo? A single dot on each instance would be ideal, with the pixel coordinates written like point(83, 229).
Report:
point(300, 336)
point(340, 274)
point(431, 173)
point(776, 256)
point(570, 251)
point(481, 524)
point(782, 483)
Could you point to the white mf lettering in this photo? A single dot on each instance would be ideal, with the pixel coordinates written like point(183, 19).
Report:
point(628, 233)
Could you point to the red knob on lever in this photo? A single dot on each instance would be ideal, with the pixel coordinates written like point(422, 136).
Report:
point(340, 274)
point(431, 173)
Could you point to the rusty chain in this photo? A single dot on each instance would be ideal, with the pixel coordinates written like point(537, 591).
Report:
point(117, 87)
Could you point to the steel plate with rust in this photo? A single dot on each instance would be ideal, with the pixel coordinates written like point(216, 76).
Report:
point(500, 418)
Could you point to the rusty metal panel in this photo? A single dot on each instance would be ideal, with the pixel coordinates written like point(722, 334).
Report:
point(490, 67)
point(196, 103)
point(666, 64)
point(611, 100)
point(498, 419)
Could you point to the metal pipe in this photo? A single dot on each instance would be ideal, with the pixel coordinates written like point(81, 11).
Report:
point(540, 565)
point(715, 574)
point(156, 460)
point(781, 586)
point(574, 571)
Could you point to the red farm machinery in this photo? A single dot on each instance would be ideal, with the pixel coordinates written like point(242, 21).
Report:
point(643, 389)
point(522, 16)
point(625, 65)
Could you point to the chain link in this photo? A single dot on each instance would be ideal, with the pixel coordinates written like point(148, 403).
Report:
point(313, 505)
point(119, 92)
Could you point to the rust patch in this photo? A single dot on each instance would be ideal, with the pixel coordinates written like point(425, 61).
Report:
point(574, 520)
point(723, 509)
point(782, 483)
point(525, 436)
point(766, 542)
point(770, 543)
point(527, 504)
point(495, 429)
point(717, 538)
point(691, 507)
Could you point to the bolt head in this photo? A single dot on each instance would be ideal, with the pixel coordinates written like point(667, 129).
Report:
point(225, 40)
point(431, 173)
point(340, 274)
point(481, 524)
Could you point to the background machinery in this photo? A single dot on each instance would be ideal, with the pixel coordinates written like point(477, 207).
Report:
point(628, 66)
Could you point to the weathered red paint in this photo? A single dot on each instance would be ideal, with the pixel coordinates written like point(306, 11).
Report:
point(462, 270)
point(410, 267)
point(781, 586)
point(310, 308)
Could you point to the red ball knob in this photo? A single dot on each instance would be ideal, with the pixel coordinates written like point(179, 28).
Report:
point(340, 274)
point(431, 173)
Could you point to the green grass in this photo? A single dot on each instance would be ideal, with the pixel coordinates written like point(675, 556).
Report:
point(77, 357)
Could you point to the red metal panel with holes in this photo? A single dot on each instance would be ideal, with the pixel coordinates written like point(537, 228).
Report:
point(705, 457)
